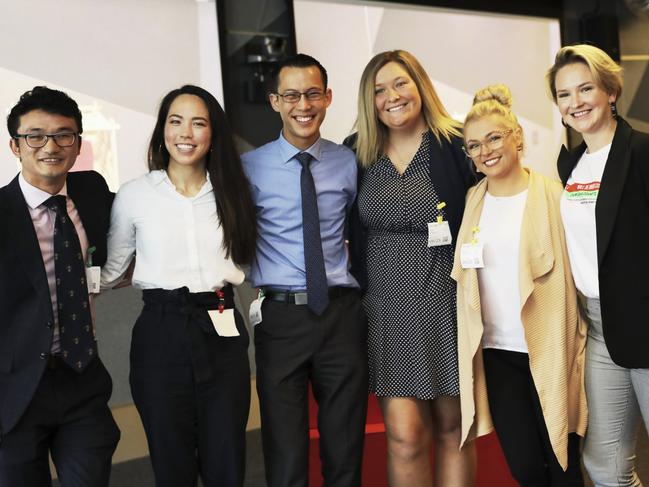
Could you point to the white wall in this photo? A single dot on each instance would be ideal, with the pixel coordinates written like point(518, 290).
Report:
point(116, 58)
point(462, 52)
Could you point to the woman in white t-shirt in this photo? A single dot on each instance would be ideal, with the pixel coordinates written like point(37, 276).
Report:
point(605, 212)
point(191, 222)
point(520, 341)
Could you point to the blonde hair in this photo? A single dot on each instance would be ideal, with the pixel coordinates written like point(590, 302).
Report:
point(372, 133)
point(606, 73)
point(494, 100)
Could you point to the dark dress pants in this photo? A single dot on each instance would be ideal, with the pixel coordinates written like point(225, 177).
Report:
point(520, 426)
point(295, 347)
point(193, 426)
point(69, 418)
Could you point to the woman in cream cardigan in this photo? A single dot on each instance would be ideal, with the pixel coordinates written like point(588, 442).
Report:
point(520, 340)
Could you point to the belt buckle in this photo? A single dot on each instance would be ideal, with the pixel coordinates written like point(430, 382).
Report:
point(54, 362)
point(301, 298)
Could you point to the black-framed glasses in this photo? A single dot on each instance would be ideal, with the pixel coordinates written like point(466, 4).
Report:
point(36, 141)
point(495, 141)
point(296, 96)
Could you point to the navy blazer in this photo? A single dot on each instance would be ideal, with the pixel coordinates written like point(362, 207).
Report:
point(622, 219)
point(26, 314)
point(452, 174)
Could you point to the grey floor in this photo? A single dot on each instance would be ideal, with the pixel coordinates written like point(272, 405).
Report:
point(137, 473)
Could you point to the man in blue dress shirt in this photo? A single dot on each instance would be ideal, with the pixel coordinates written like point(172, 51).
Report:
point(313, 327)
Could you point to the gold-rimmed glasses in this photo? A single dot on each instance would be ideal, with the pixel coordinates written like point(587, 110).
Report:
point(495, 140)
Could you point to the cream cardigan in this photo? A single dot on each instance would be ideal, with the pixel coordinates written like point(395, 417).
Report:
point(554, 331)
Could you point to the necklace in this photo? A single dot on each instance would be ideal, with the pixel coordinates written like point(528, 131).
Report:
point(401, 159)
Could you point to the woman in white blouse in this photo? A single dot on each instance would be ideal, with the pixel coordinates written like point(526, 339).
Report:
point(191, 223)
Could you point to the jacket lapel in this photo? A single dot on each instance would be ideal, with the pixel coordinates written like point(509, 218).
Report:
point(26, 241)
point(536, 256)
point(568, 160)
point(610, 192)
point(467, 279)
point(448, 182)
point(80, 198)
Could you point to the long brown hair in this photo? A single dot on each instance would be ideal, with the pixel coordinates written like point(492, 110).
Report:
point(231, 189)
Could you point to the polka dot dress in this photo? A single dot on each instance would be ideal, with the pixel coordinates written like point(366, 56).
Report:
point(410, 300)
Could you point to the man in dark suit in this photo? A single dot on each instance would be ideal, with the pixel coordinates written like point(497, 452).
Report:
point(53, 388)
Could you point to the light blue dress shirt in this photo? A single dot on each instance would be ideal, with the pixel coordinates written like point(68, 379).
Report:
point(274, 176)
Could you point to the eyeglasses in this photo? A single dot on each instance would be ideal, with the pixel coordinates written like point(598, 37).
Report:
point(36, 141)
point(296, 96)
point(493, 142)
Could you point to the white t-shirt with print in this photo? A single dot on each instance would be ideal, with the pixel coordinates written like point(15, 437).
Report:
point(578, 215)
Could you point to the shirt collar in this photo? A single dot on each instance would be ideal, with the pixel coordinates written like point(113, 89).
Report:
point(288, 151)
point(34, 196)
point(160, 176)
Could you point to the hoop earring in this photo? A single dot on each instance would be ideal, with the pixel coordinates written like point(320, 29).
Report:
point(564, 123)
point(613, 109)
point(520, 147)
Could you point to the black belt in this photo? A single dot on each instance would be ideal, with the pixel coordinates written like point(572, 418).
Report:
point(55, 362)
point(194, 306)
point(300, 297)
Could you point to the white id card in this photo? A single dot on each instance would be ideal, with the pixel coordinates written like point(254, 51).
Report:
point(255, 310)
point(439, 233)
point(224, 322)
point(471, 256)
point(93, 278)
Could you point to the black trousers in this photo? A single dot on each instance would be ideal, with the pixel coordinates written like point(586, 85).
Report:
point(69, 418)
point(520, 426)
point(192, 391)
point(295, 347)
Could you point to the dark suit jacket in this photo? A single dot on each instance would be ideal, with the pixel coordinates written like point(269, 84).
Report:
point(452, 174)
point(622, 218)
point(25, 305)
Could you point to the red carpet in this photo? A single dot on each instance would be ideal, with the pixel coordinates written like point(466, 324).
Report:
point(492, 469)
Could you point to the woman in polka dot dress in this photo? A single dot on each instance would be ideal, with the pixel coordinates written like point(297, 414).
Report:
point(411, 197)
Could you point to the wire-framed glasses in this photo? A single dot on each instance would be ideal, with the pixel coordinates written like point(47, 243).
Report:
point(494, 141)
point(296, 96)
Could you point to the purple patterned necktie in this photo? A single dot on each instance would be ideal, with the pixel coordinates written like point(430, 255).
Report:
point(78, 345)
point(316, 276)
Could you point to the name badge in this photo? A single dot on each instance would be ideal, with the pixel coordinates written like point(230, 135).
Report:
point(93, 279)
point(223, 322)
point(439, 233)
point(471, 256)
point(255, 310)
